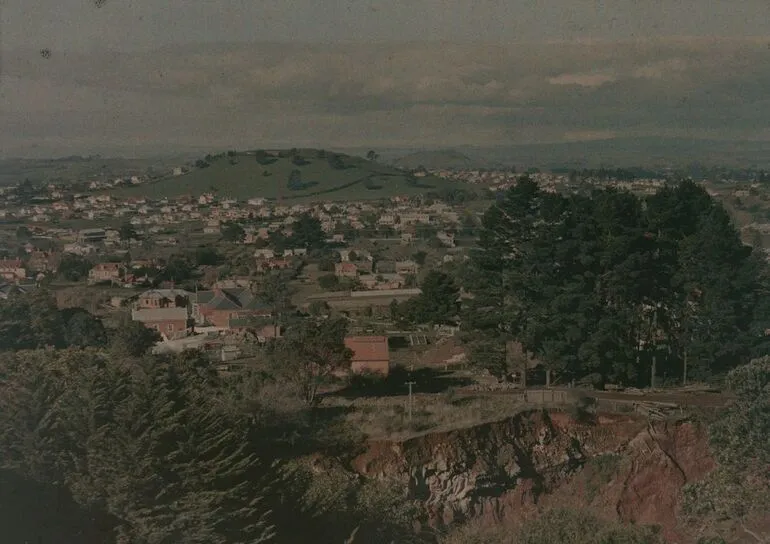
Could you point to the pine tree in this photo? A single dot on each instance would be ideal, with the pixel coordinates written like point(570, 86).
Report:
point(142, 440)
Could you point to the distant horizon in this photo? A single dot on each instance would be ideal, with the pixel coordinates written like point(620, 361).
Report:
point(492, 153)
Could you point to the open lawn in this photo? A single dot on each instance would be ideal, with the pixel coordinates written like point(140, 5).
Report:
point(243, 177)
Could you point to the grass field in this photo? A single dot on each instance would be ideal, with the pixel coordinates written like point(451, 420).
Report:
point(243, 177)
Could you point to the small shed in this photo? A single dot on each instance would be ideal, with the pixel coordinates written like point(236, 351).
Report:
point(370, 354)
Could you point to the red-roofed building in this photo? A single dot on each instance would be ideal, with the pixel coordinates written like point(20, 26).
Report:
point(370, 354)
point(228, 308)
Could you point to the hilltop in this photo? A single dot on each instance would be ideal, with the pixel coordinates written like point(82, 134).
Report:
point(292, 175)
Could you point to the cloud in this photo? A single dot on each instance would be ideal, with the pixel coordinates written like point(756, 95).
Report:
point(588, 135)
point(582, 80)
point(661, 69)
point(382, 95)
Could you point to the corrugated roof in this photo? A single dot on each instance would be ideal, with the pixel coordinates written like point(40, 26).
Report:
point(368, 348)
point(223, 302)
point(167, 293)
point(230, 299)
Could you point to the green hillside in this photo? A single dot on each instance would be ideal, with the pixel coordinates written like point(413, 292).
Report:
point(269, 175)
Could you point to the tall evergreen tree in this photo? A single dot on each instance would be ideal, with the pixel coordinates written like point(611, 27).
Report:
point(139, 439)
point(606, 283)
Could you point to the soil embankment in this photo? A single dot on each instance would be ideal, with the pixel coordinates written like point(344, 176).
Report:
point(621, 466)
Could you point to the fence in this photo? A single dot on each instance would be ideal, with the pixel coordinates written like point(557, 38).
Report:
point(545, 396)
point(561, 398)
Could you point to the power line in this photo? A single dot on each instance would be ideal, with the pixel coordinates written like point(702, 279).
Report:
point(410, 384)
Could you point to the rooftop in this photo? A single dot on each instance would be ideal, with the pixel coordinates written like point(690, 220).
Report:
point(368, 348)
point(147, 315)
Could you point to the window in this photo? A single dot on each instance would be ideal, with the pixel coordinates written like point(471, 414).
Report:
point(170, 327)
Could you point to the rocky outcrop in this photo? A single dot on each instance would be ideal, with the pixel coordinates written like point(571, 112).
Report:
point(511, 468)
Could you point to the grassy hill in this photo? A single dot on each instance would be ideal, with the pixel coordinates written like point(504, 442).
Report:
point(247, 175)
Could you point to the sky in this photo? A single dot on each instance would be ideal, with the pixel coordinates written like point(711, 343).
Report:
point(129, 77)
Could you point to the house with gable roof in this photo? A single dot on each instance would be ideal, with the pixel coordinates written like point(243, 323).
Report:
point(227, 308)
point(370, 354)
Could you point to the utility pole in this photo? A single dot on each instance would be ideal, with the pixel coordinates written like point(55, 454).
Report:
point(410, 384)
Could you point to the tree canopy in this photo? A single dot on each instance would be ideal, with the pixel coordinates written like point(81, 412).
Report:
point(437, 304)
point(740, 443)
point(307, 233)
point(310, 353)
point(634, 289)
point(142, 441)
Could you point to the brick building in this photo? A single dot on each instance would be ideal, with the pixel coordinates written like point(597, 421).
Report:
point(227, 308)
point(169, 322)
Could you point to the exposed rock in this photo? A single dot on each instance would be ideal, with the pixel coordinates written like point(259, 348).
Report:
point(511, 468)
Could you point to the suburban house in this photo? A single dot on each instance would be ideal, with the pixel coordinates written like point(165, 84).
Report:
point(12, 270)
point(370, 354)
point(406, 267)
point(79, 249)
point(164, 298)
point(412, 218)
point(103, 272)
point(296, 252)
point(273, 264)
point(170, 322)
point(345, 270)
point(227, 308)
point(446, 238)
point(387, 220)
point(92, 236)
point(382, 281)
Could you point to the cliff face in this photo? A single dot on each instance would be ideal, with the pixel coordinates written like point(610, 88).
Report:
point(620, 466)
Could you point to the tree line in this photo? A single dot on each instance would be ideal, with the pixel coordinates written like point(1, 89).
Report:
point(613, 287)
point(33, 321)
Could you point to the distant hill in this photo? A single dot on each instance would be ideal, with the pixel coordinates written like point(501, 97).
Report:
point(628, 152)
point(449, 159)
point(71, 169)
point(270, 175)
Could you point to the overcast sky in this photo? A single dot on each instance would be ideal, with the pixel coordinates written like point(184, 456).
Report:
point(135, 75)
